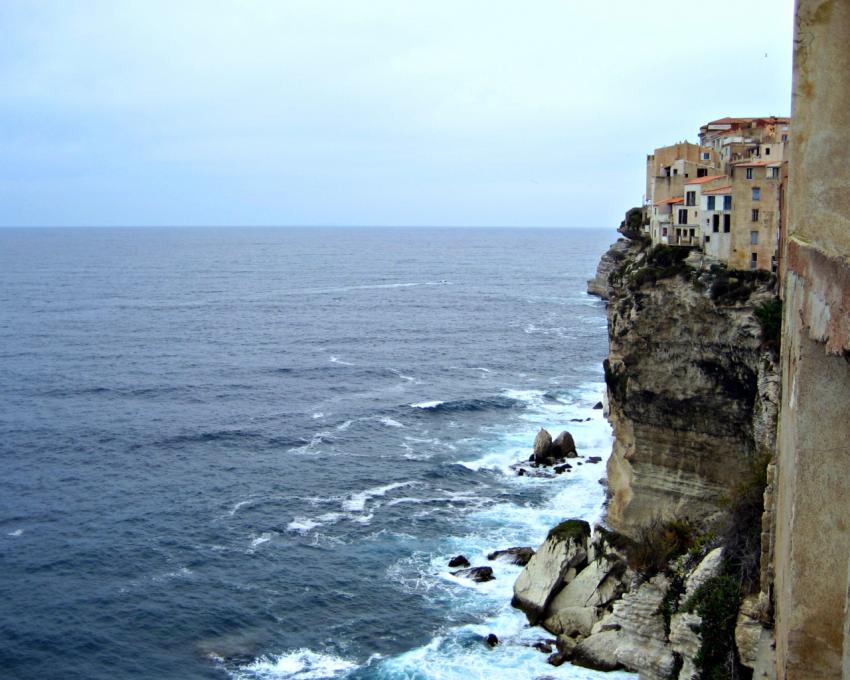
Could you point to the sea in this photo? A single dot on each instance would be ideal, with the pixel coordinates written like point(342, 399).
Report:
point(249, 454)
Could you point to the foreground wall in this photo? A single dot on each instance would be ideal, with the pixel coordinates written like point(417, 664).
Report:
point(812, 553)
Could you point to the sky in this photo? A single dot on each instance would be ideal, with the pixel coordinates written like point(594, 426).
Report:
point(377, 112)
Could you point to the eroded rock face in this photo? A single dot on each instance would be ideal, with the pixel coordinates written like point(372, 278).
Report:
point(554, 563)
point(612, 259)
point(542, 444)
point(692, 394)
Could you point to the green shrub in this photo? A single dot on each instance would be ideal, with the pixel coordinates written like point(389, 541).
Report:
point(717, 602)
point(656, 544)
point(733, 286)
point(769, 315)
point(571, 529)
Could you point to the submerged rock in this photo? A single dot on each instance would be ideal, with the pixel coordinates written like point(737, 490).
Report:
point(492, 640)
point(598, 406)
point(477, 574)
point(459, 561)
point(519, 556)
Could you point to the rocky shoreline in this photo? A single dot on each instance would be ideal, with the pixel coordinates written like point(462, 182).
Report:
point(674, 583)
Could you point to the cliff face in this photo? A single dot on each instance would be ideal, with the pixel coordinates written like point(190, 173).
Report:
point(692, 390)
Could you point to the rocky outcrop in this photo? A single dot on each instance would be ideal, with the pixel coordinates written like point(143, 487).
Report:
point(610, 261)
point(555, 563)
point(692, 388)
point(520, 556)
point(548, 452)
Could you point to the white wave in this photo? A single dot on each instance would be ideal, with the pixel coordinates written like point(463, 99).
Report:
point(15, 533)
point(301, 664)
point(357, 502)
point(344, 426)
point(408, 378)
point(301, 525)
point(240, 504)
point(265, 537)
point(337, 360)
point(182, 572)
point(318, 415)
point(389, 422)
point(315, 441)
point(427, 404)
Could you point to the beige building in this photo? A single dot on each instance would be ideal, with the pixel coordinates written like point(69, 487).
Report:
point(724, 194)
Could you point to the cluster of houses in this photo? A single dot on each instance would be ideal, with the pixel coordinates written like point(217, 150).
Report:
point(725, 195)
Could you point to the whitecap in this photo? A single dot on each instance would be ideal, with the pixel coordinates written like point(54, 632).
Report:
point(15, 533)
point(389, 422)
point(318, 415)
point(301, 664)
point(337, 360)
point(301, 525)
point(427, 404)
point(257, 541)
point(315, 441)
point(344, 426)
point(357, 502)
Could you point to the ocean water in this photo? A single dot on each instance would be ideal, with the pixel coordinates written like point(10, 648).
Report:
point(250, 453)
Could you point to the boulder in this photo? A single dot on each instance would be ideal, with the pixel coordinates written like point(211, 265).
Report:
point(633, 636)
point(566, 645)
point(519, 556)
point(594, 459)
point(492, 640)
point(707, 569)
point(748, 631)
point(563, 447)
point(595, 586)
point(477, 574)
point(565, 548)
point(542, 444)
point(557, 659)
point(560, 469)
point(571, 621)
point(459, 561)
point(598, 406)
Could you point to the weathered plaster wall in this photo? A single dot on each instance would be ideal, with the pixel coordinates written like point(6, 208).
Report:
point(813, 484)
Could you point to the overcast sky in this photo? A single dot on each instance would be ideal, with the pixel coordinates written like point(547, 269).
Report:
point(369, 112)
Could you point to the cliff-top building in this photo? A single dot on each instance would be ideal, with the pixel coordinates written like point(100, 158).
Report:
point(724, 194)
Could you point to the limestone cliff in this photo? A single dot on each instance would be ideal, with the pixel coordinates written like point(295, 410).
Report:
point(692, 385)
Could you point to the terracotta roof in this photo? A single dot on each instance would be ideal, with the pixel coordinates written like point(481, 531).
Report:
point(671, 201)
point(718, 190)
point(729, 120)
point(703, 180)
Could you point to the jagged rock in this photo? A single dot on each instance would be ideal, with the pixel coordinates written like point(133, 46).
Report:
point(608, 263)
point(542, 444)
point(477, 574)
point(706, 570)
point(563, 447)
point(595, 586)
point(560, 469)
point(519, 556)
point(594, 459)
point(632, 636)
point(748, 630)
point(544, 646)
point(598, 406)
point(571, 621)
point(685, 641)
point(566, 645)
point(492, 640)
point(459, 561)
point(565, 548)
point(557, 659)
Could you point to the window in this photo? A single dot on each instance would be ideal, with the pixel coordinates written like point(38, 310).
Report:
point(755, 214)
point(675, 171)
point(716, 225)
point(711, 202)
point(683, 216)
point(702, 172)
point(749, 173)
point(773, 173)
point(756, 194)
point(754, 260)
point(767, 151)
point(727, 203)
point(692, 232)
point(754, 238)
point(784, 138)
point(707, 238)
point(727, 223)
point(691, 198)
point(773, 265)
point(705, 155)
point(664, 231)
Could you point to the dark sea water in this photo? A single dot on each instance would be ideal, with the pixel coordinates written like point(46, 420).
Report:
point(249, 453)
